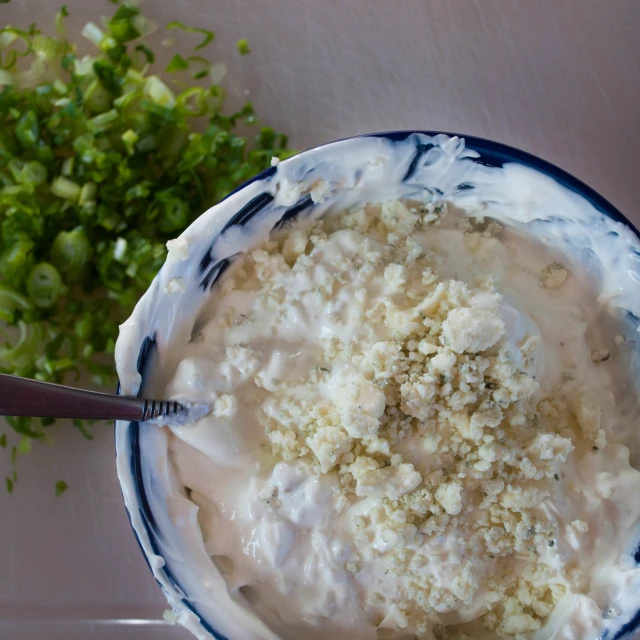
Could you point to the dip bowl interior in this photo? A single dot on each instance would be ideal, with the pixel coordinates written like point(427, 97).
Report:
point(478, 176)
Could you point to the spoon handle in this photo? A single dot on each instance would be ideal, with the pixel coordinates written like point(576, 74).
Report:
point(25, 397)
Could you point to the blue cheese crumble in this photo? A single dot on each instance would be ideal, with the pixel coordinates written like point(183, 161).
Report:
point(373, 358)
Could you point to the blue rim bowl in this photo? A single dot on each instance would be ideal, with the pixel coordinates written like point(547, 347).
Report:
point(139, 475)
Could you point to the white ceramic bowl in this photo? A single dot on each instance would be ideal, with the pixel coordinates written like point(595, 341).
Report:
point(526, 190)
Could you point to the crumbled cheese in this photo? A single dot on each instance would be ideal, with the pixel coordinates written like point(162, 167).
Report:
point(589, 416)
point(175, 285)
point(580, 525)
point(471, 330)
point(427, 348)
point(554, 275)
point(275, 161)
point(320, 191)
point(619, 339)
point(391, 482)
point(492, 230)
point(363, 396)
point(359, 425)
point(328, 444)
point(443, 362)
point(600, 355)
point(178, 249)
point(520, 623)
point(295, 245)
point(225, 406)
point(449, 495)
point(170, 616)
point(438, 381)
point(395, 275)
point(290, 192)
point(397, 218)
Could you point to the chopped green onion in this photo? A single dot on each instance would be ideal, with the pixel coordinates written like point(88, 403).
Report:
point(93, 33)
point(44, 285)
point(59, 21)
point(148, 53)
point(67, 167)
point(177, 63)
point(84, 66)
point(70, 252)
point(25, 445)
point(130, 137)
point(8, 37)
point(109, 43)
point(158, 91)
point(60, 87)
point(6, 78)
point(66, 189)
point(97, 98)
point(119, 249)
point(19, 357)
point(243, 47)
point(49, 48)
point(193, 101)
point(61, 487)
point(101, 162)
point(32, 76)
point(205, 66)
point(134, 77)
point(10, 302)
point(33, 172)
point(217, 72)
point(146, 144)
point(122, 26)
point(28, 130)
point(108, 75)
point(208, 35)
point(103, 121)
point(87, 193)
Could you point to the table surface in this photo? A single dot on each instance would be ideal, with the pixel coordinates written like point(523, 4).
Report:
point(558, 78)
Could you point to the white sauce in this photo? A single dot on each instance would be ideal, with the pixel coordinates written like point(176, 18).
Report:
point(294, 559)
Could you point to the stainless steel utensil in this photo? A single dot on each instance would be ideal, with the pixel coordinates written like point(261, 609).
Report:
point(25, 397)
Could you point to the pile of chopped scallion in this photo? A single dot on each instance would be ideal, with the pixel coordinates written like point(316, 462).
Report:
point(101, 162)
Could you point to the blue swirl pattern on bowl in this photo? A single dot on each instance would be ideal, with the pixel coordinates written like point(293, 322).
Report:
point(211, 264)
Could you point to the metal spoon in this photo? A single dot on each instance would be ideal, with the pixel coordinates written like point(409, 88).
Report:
point(25, 397)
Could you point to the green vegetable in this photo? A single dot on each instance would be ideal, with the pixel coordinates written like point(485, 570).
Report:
point(59, 21)
point(102, 161)
point(70, 252)
point(65, 189)
point(243, 47)
point(178, 63)
point(61, 487)
point(25, 445)
point(208, 35)
point(44, 285)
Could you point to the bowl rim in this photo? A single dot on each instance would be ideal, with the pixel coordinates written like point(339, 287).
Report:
point(484, 146)
point(491, 154)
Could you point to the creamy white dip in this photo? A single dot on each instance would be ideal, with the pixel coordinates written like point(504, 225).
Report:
point(304, 548)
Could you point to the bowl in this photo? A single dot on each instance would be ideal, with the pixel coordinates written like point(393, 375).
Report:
point(526, 191)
